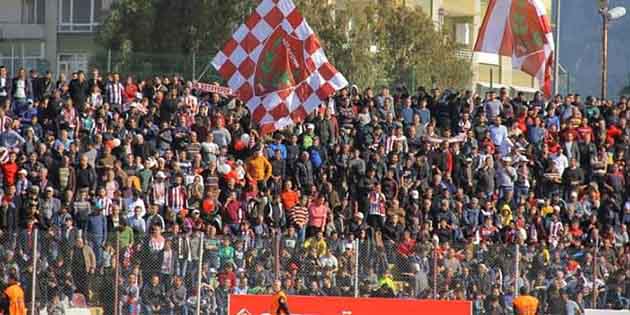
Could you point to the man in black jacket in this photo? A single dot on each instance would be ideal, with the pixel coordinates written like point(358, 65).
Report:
point(153, 296)
point(86, 175)
point(79, 91)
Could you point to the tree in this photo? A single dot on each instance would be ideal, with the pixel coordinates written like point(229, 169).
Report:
point(173, 26)
point(369, 43)
point(625, 91)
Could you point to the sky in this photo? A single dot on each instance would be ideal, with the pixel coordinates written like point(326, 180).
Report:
point(580, 46)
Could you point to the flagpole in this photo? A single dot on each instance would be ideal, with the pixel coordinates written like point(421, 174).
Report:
point(556, 52)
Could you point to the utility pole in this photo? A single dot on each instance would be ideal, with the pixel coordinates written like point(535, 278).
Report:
point(608, 15)
point(556, 52)
point(604, 13)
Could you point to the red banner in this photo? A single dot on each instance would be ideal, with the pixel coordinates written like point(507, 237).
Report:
point(307, 305)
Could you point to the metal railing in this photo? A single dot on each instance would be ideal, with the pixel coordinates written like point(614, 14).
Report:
point(129, 271)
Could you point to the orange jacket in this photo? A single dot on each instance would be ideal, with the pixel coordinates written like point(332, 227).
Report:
point(526, 305)
point(259, 168)
point(15, 294)
point(275, 306)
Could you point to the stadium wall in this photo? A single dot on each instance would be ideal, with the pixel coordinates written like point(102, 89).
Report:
point(306, 305)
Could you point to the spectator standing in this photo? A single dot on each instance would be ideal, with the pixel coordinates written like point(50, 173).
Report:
point(79, 91)
point(115, 93)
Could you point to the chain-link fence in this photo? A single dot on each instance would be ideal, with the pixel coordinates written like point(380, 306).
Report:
point(125, 269)
point(192, 66)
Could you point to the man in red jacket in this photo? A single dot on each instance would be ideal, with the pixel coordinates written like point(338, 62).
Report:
point(9, 170)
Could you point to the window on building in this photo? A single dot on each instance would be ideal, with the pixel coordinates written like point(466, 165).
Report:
point(71, 62)
point(80, 15)
point(33, 11)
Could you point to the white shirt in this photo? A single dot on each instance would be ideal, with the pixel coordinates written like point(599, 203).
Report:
point(328, 261)
point(561, 163)
point(20, 91)
point(131, 206)
point(3, 85)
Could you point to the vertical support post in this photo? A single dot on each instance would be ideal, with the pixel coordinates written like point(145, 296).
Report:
point(117, 275)
point(435, 267)
point(34, 277)
point(276, 254)
point(605, 53)
point(595, 292)
point(22, 57)
point(13, 59)
point(109, 60)
point(556, 53)
point(194, 64)
point(517, 259)
point(356, 268)
point(199, 275)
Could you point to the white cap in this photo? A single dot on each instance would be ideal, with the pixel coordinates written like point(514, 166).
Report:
point(414, 194)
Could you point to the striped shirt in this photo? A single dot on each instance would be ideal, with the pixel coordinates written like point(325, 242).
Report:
point(104, 203)
point(191, 101)
point(5, 123)
point(376, 203)
point(298, 216)
point(158, 193)
point(177, 198)
point(115, 93)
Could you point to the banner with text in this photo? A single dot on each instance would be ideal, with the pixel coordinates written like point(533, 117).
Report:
point(307, 305)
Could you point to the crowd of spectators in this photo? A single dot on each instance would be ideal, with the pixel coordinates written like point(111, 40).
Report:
point(378, 193)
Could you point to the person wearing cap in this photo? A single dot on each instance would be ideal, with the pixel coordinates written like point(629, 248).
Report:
point(22, 184)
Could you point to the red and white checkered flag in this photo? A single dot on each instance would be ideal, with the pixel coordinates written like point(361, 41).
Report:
point(275, 63)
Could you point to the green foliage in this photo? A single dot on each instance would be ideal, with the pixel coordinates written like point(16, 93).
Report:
point(371, 44)
point(625, 91)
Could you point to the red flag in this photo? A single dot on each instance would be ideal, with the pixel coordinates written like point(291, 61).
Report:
point(276, 65)
point(520, 29)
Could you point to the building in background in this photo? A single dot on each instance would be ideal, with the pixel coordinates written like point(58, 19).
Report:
point(56, 35)
point(462, 19)
point(59, 35)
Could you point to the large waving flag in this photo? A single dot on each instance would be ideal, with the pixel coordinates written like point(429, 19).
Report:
point(275, 63)
point(520, 29)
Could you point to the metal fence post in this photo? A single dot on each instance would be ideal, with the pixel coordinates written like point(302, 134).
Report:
point(34, 277)
point(200, 274)
point(276, 254)
point(356, 268)
point(435, 267)
point(517, 259)
point(194, 64)
point(109, 60)
point(117, 275)
point(595, 293)
point(13, 59)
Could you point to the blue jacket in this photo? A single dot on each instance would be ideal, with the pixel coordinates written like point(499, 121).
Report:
point(97, 225)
